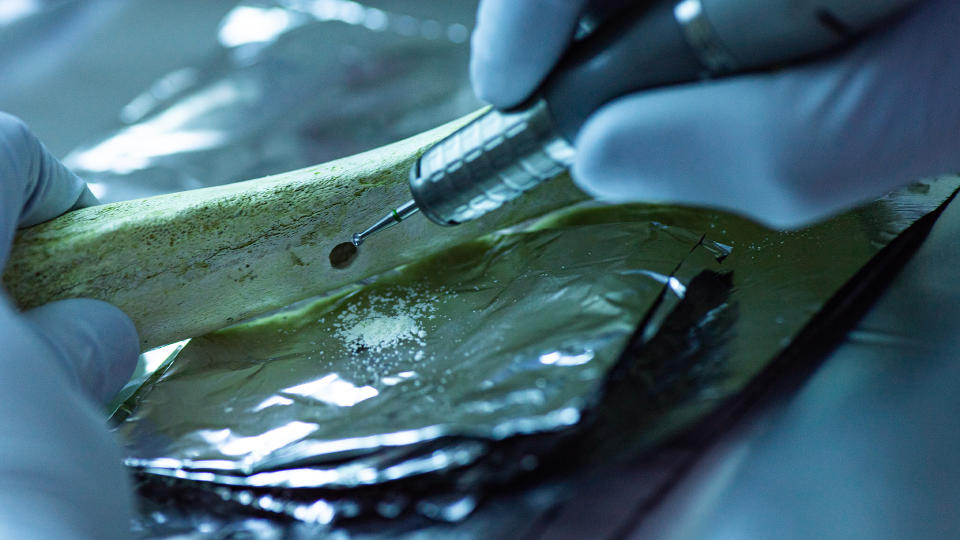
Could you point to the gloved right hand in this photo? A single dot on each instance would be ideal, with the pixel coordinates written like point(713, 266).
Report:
point(786, 148)
point(61, 474)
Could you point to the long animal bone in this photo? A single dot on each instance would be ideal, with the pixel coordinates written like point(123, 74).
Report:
point(188, 263)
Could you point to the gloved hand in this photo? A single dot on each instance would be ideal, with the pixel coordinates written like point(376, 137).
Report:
point(61, 474)
point(786, 148)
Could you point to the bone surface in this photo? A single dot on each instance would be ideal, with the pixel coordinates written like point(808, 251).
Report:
point(187, 263)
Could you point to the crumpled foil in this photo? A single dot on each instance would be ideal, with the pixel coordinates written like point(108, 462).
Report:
point(293, 83)
point(594, 336)
point(517, 330)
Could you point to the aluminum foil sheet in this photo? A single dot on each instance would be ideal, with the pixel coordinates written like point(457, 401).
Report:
point(593, 337)
point(291, 83)
point(544, 354)
point(504, 336)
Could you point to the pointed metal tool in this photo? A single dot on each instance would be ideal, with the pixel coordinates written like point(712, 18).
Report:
point(396, 216)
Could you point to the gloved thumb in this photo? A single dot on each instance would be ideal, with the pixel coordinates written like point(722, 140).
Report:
point(96, 342)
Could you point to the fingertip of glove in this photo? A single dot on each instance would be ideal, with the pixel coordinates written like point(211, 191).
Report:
point(495, 83)
point(114, 326)
point(645, 149)
point(10, 124)
point(516, 44)
point(97, 342)
point(85, 200)
point(43, 188)
point(608, 157)
point(17, 139)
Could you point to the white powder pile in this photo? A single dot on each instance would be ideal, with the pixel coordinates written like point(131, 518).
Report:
point(390, 319)
point(379, 331)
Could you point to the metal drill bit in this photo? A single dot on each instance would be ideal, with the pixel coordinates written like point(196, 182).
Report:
point(391, 219)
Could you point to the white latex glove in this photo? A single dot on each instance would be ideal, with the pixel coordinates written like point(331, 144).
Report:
point(61, 474)
point(785, 148)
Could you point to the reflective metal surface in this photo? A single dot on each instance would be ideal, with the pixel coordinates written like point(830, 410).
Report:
point(291, 84)
point(395, 216)
point(494, 159)
point(703, 39)
point(512, 335)
point(513, 363)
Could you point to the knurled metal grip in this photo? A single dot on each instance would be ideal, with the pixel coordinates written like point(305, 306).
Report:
point(703, 39)
point(493, 159)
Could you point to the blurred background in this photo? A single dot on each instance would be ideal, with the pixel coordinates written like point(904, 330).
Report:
point(142, 97)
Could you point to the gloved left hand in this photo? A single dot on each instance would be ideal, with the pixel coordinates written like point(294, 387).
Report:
point(61, 474)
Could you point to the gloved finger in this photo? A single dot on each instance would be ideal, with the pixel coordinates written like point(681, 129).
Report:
point(61, 472)
point(34, 185)
point(790, 147)
point(703, 145)
point(516, 43)
point(85, 200)
point(96, 343)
